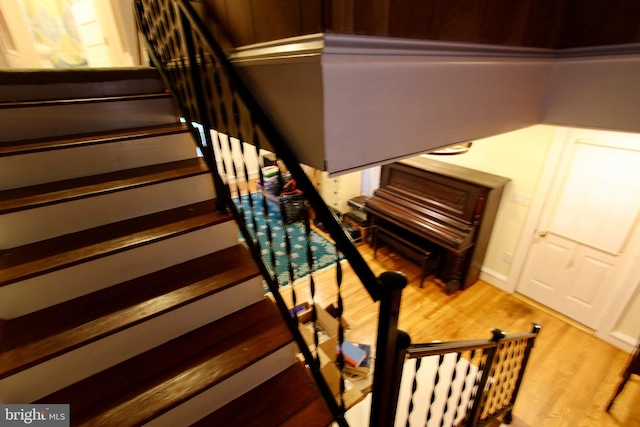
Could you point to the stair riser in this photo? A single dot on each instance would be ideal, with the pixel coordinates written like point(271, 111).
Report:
point(32, 225)
point(36, 293)
point(28, 92)
point(47, 377)
point(55, 120)
point(228, 390)
point(57, 165)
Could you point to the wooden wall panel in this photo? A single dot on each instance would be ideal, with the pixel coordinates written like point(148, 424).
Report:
point(210, 10)
point(527, 23)
point(311, 21)
point(544, 22)
point(338, 16)
point(458, 20)
point(503, 22)
point(232, 19)
point(275, 19)
point(596, 22)
point(240, 19)
point(371, 17)
point(412, 18)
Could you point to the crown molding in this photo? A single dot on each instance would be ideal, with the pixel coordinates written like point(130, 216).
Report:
point(376, 45)
point(314, 46)
point(290, 49)
point(600, 51)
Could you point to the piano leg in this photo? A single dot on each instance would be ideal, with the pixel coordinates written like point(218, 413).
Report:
point(425, 263)
point(374, 240)
point(431, 263)
point(456, 275)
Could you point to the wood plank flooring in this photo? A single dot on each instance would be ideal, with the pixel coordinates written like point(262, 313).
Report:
point(572, 374)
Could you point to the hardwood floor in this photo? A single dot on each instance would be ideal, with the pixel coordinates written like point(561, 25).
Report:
point(571, 375)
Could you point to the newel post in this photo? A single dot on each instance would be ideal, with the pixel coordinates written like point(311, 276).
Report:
point(390, 351)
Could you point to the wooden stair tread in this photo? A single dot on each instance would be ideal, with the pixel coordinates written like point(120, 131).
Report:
point(10, 148)
point(71, 189)
point(39, 336)
point(37, 258)
point(148, 385)
point(290, 398)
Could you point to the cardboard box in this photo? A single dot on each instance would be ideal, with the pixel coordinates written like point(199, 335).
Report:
point(327, 330)
point(324, 321)
point(304, 312)
point(328, 342)
point(331, 374)
point(333, 312)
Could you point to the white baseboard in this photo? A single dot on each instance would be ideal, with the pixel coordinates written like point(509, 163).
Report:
point(618, 339)
point(496, 279)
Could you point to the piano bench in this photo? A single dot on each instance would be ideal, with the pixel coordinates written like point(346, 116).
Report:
point(418, 250)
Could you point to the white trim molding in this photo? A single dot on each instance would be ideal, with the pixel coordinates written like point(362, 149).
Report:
point(494, 278)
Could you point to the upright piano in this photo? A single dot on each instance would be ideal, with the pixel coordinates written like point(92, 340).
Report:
point(445, 210)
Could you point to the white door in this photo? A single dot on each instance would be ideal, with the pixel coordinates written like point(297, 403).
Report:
point(576, 259)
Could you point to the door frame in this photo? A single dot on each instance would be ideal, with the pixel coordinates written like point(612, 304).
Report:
point(558, 160)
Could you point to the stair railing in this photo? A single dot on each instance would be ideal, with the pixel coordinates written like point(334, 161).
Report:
point(232, 130)
point(465, 383)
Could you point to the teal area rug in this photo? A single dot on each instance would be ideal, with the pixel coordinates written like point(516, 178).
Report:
point(324, 251)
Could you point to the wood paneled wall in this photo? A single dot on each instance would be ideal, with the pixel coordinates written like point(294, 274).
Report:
point(527, 23)
point(246, 22)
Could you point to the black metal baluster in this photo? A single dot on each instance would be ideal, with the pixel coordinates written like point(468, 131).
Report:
point(475, 391)
point(272, 253)
point(497, 374)
point(253, 202)
point(339, 310)
point(436, 380)
point(250, 198)
point(414, 387)
point(197, 68)
point(485, 368)
point(450, 391)
point(236, 168)
point(312, 283)
point(464, 386)
point(287, 238)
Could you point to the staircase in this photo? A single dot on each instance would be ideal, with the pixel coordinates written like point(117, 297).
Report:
point(122, 291)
